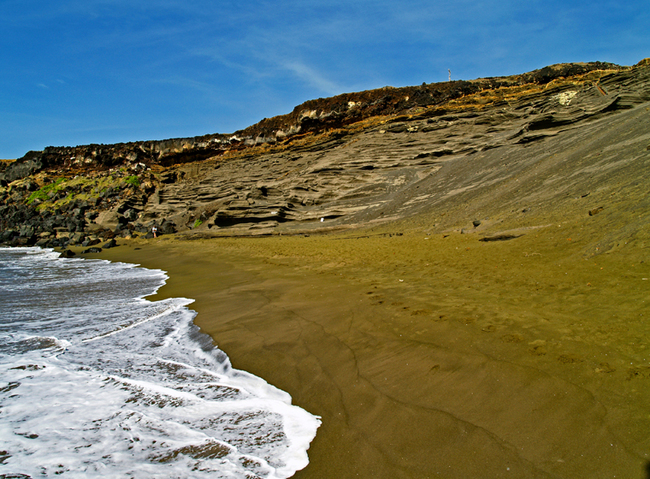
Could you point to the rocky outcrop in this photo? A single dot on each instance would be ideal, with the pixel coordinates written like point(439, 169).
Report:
point(49, 210)
point(313, 116)
point(103, 157)
point(374, 171)
point(28, 165)
point(341, 110)
point(353, 159)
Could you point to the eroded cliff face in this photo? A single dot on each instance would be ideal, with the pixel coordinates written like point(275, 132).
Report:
point(314, 116)
point(464, 151)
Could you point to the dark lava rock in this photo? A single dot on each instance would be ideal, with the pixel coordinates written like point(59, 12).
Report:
point(110, 244)
point(140, 228)
point(90, 242)
point(8, 235)
point(595, 211)
point(499, 237)
point(66, 253)
point(91, 250)
point(167, 228)
point(168, 177)
point(27, 165)
point(131, 214)
point(43, 242)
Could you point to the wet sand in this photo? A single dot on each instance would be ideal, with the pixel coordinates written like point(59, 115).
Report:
point(435, 355)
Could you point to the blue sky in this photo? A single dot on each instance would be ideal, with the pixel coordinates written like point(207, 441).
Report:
point(104, 71)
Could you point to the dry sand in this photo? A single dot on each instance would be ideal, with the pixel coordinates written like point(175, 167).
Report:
point(436, 355)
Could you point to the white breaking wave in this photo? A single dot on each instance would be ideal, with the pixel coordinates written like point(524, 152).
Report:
point(97, 380)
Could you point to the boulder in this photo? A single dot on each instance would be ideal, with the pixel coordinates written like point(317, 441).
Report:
point(26, 231)
point(25, 166)
point(131, 214)
point(140, 228)
point(167, 228)
point(90, 242)
point(108, 219)
point(8, 234)
point(77, 238)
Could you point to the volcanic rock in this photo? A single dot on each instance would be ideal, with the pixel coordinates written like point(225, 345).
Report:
point(470, 149)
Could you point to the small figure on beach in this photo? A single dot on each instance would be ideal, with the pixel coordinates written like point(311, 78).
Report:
point(154, 230)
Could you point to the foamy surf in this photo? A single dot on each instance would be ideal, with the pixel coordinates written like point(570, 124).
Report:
point(97, 380)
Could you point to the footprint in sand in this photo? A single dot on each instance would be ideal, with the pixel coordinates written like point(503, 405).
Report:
point(538, 351)
point(537, 347)
point(569, 359)
point(512, 338)
point(638, 373)
point(604, 368)
point(466, 320)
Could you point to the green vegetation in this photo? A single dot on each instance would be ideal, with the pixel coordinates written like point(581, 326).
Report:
point(132, 180)
point(79, 188)
point(42, 194)
point(197, 223)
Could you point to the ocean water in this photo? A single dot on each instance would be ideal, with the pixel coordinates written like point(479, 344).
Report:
point(95, 380)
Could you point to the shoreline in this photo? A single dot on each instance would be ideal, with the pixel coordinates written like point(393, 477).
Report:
point(458, 290)
point(418, 368)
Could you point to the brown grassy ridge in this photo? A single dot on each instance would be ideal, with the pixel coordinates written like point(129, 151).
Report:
point(472, 101)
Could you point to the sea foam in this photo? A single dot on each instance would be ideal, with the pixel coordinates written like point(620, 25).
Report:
point(98, 380)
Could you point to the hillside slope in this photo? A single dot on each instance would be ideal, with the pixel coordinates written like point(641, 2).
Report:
point(493, 148)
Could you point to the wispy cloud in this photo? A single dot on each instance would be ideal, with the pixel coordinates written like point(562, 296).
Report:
point(205, 63)
point(312, 77)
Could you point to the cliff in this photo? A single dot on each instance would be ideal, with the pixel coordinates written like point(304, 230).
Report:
point(310, 117)
point(462, 151)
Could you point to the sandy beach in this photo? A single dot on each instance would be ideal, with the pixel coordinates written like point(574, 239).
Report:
point(453, 276)
point(434, 355)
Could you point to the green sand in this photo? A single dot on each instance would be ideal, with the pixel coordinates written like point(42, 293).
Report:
point(437, 355)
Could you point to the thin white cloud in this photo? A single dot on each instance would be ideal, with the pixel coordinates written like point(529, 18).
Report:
point(312, 77)
point(209, 91)
point(230, 62)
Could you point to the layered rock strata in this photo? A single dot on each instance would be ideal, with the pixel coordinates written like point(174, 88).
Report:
point(353, 159)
